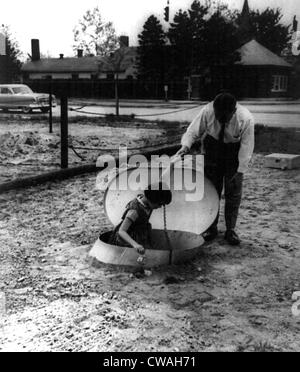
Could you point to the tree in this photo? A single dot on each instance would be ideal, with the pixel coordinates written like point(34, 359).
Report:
point(267, 29)
point(220, 41)
point(203, 37)
point(216, 6)
point(150, 52)
point(13, 53)
point(94, 36)
point(181, 38)
point(115, 63)
point(198, 17)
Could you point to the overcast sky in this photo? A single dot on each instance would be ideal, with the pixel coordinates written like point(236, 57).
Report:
point(53, 21)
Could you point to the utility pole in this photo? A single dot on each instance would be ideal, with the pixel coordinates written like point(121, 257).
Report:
point(117, 93)
point(64, 131)
point(50, 107)
point(167, 19)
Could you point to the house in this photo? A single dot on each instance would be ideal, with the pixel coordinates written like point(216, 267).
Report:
point(61, 68)
point(75, 68)
point(79, 76)
point(261, 73)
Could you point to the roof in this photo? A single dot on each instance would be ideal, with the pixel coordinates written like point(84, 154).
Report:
point(255, 54)
point(75, 64)
point(83, 64)
point(13, 85)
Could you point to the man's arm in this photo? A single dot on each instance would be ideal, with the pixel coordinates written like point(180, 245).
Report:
point(195, 130)
point(247, 146)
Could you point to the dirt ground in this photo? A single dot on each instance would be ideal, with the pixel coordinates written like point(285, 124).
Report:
point(27, 148)
point(227, 299)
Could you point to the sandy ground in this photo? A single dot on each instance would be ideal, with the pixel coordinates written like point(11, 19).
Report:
point(227, 299)
point(27, 148)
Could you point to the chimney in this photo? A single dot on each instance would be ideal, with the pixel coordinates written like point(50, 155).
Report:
point(2, 45)
point(61, 56)
point(35, 50)
point(124, 41)
point(79, 53)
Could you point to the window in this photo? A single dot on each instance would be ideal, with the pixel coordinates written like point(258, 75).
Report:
point(280, 83)
point(5, 91)
point(22, 90)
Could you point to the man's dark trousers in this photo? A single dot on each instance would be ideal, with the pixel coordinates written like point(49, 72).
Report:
point(221, 165)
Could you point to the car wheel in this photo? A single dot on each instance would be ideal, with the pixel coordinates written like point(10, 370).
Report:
point(26, 110)
point(45, 110)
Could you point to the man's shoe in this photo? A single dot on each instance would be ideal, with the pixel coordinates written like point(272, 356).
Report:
point(210, 234)
point(232, 238)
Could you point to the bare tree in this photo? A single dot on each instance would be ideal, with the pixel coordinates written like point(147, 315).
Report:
point(94, 36)
point(115, 63)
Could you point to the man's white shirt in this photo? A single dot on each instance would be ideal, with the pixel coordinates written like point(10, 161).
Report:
point(239, 129)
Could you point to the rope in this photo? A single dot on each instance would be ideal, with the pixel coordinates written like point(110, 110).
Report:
point(89, 113)
point(167, 113)
point(73, 148)
point(167, 235)
point(76, 153)
point(137, 116)
point(29, 164)
point(79, 108)
point(129, 148)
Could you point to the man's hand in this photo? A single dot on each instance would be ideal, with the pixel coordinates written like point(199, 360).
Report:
point(140, 249)
point(183, 151)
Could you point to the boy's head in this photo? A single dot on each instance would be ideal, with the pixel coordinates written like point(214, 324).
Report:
point(158, 195)
point(224, 107)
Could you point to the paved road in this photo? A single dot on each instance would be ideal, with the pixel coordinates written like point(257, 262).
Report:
point(281, 115)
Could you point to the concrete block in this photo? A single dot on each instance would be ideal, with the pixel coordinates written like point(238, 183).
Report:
point(282, 161)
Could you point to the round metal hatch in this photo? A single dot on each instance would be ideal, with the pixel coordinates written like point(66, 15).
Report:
point(188, 216)
point(191, 210)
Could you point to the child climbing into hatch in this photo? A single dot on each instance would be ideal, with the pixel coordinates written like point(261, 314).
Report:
point(135, 230)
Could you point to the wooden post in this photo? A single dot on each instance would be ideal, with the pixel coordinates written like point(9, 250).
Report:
point(117, 93)
point(50, 109)
point(64, 131)
point(166, 89)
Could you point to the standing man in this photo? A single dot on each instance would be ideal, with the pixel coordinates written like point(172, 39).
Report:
point(227, 132)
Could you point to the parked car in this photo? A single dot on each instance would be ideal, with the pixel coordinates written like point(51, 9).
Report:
point(19, 96)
